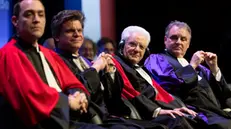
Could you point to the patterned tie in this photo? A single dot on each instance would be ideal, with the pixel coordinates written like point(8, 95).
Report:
point(80, 63)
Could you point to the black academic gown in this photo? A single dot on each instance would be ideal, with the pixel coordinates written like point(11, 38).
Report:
point(107, 103)
point(207, 95)
point(146, 103)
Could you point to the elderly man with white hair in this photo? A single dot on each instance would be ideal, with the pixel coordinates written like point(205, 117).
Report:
point(152, 102)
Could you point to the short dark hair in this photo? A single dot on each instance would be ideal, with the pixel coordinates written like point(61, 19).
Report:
point(178, 24)
point(63, 16)
point(17, 8)
point(104, 40)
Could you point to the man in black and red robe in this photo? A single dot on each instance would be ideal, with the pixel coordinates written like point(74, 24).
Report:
point(37, 89)
point(105, 100)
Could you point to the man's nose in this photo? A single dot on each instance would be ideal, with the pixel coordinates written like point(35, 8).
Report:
point(76, 33)
point(179, 40)
point(36, 18)
point(137, 48)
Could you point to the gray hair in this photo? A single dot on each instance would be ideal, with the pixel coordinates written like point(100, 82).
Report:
point(128, 31)
point(178, 24)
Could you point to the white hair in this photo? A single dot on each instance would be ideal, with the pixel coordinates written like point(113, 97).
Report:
point(128, 31)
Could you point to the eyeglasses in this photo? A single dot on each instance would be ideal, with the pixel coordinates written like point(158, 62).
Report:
point(135, 44)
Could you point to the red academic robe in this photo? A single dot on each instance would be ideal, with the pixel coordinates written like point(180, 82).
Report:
point(20, 84)
point(129, 92)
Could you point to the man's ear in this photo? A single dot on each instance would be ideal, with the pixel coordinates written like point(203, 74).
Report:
point(165, 38)
point(14, 21)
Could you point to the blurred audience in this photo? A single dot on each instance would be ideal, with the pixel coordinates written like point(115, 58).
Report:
point(49, 43)
point(106, 45)
point(88, 49)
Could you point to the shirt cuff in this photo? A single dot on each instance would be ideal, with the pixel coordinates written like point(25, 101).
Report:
point(217, 75)
point(156, 112)
point(227, 110)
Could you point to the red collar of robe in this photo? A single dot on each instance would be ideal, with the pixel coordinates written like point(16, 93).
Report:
point(129, 92)
point(31, 98)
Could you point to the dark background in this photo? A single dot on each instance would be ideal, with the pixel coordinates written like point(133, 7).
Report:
point(210, 23)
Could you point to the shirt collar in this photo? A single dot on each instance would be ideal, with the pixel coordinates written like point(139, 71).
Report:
point(66, 54)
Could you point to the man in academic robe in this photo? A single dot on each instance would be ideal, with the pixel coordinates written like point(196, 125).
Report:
point(37, 88)
point(151, 101)
point(203, 89)
point(67, 29)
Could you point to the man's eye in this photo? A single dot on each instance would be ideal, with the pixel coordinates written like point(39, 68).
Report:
point(132, 44)
point(174, 37)
point(41, 15)
point(183, 39)
point(28, 14)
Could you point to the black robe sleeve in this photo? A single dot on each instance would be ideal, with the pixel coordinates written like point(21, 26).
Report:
point(221, 89)
point(112, 95)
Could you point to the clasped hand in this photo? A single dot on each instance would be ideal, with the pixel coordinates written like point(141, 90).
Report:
point(201, 56)
point(78, 101)
point(103, 62)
